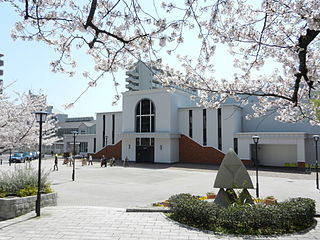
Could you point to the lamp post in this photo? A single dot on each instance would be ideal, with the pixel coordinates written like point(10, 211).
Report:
point(41, 118)
point(256, 140)
point(316, 139)
point(74, 153)
point(10, 157)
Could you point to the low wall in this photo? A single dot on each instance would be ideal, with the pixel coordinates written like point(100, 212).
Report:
point(16, 206)
point(192, 152)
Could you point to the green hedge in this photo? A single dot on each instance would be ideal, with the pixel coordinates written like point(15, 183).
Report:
point(190, 210)
point(286, 217)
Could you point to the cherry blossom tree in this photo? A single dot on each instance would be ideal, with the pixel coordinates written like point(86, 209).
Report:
point(283, 34)
point(18, 127)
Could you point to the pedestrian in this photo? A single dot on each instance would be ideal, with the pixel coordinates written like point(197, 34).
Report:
point(65, 161)
point(103, 161)
point(70, 161)
point(84, 161)
point(55, 167)
point(90, 160)
point(112, 162)
point(126, 162)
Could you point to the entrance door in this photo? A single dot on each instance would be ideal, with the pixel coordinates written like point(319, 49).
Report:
point(145, 150)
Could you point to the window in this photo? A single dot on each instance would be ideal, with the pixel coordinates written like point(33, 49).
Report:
point(235, 145)
point(104, 131)
point(190, 123)
point(83, 147)
point(113, 128)
point(145, 116)
point(94, 144)
point(219, 129)
point(144, 141)
point(204, 135)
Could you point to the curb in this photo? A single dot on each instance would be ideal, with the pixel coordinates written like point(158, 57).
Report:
point(148, 210)
point(166, 210)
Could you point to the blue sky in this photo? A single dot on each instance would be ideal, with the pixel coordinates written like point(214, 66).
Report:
point(27, 64)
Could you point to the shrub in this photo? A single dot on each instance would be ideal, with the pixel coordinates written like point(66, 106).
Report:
point(47, 189)
point(297, 212)
point(21, 178)
point(289, 216)
point(190, 210)
point(2, 193)
point(286, 217)
point(28, 191)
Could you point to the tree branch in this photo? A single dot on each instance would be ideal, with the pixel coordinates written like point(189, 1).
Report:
point(304, 41)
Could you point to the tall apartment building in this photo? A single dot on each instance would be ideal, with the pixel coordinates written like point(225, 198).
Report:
point(145, 77)
point(142, 77)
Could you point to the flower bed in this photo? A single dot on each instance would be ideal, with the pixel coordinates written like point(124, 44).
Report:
point(258, 219)
point(210, 195)
point(18, 189)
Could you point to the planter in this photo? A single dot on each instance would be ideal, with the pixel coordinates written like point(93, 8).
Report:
point(270, 201)
point(211, 196)
point(165, 204)
point(12, 207)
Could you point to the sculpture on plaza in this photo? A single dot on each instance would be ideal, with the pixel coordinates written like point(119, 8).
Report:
point(232, 174)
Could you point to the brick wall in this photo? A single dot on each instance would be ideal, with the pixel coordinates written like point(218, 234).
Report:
point(192, 152)
point(109, 151)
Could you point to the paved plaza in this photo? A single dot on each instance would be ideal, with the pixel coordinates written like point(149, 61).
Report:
point(93, 206)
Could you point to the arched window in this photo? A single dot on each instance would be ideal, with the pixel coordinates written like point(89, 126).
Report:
point(145, 116)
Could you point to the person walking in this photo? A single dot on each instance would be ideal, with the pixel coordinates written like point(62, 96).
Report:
point(126, 162)
point(55, 167)
point(112, 162)
point(103, 161)
point(90, 160)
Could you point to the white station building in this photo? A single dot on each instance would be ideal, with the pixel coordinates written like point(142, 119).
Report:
point(161, 126)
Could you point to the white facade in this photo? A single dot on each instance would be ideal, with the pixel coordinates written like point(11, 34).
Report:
point(172, 115)
point(166, 133)
point(108, 128)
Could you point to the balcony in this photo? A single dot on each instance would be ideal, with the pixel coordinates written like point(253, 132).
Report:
point(132, 80)
point(132, 73)
point(132, 87)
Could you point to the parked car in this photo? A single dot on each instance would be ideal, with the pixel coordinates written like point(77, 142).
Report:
point(17, 157)
point(35, 155)
point(28, 156)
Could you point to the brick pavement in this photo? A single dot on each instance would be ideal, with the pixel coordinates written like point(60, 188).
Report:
point(109, 223)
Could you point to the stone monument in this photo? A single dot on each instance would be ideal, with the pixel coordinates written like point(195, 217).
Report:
point(232, 174)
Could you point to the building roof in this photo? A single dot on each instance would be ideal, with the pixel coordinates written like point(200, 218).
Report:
point(79, 119)
point(75, 124)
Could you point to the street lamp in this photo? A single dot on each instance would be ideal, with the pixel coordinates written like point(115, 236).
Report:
point(41, 118)
point(74, 153)
point(316, 139)
point(256, 140)
point(10, 157)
